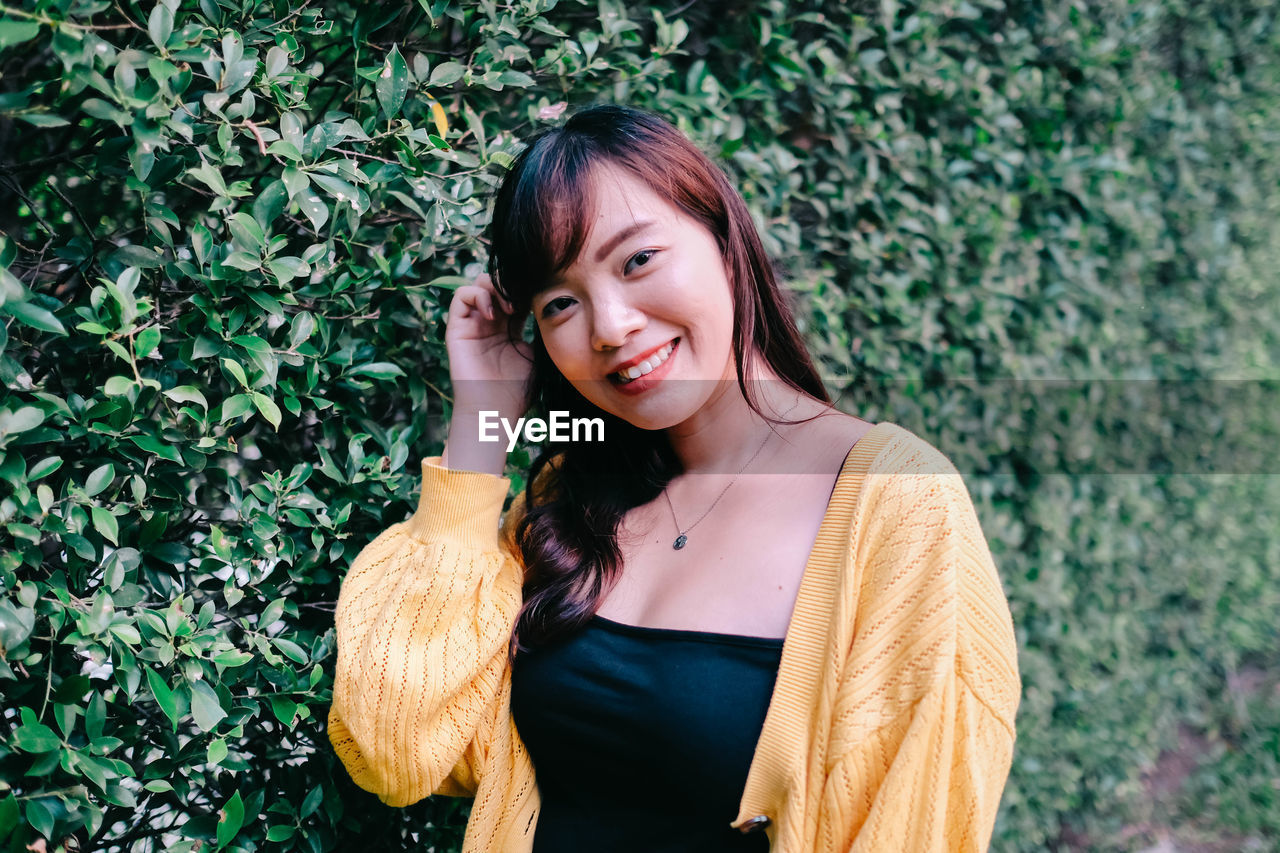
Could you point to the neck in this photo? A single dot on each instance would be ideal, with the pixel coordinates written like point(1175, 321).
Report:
point(726, 432)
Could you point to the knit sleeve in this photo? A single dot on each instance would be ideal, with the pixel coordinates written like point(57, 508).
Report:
point(423, 622)
point(923, 733)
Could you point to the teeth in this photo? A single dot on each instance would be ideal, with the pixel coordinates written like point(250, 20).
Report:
point(648, 365)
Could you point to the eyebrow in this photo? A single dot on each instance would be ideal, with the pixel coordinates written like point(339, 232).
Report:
point(613, 242)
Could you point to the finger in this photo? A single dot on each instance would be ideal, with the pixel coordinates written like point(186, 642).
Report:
point(459, 306)
point(466, 299)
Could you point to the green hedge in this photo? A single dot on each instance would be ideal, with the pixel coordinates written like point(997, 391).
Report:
point(230, 233)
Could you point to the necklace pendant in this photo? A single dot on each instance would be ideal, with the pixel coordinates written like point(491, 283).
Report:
point(680, 542)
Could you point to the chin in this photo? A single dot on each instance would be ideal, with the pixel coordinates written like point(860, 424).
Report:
point(658, 413)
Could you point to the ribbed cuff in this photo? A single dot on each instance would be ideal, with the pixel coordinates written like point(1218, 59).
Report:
point(463, 507)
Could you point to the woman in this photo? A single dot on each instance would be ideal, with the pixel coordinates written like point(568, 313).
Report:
point(740, 621)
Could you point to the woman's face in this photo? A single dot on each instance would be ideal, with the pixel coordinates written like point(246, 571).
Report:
point(649, 294)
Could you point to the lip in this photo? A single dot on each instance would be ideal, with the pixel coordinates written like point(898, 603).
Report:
point(650, 379)
point(623, 365)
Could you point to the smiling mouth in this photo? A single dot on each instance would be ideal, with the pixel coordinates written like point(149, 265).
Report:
point(630, 374)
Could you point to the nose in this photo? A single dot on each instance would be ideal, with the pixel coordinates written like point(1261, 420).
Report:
point(613, 320)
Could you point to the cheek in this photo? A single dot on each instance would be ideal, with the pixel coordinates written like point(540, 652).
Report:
point(567, 356)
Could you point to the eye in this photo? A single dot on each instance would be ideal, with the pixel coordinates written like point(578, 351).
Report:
point(639, 259)
point(555, 306)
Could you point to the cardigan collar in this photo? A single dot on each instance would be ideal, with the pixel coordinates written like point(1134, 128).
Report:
point(779, 760)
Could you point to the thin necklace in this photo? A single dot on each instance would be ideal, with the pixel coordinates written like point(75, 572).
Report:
point(682, 538)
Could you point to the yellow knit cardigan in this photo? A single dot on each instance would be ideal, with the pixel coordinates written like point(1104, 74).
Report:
point(891, 726)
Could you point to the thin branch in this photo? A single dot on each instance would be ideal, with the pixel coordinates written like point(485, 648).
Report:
point(365, 156)
point(41, 162)
point(44, 19)
point(253, 128)
point(31, 205)
point(125, 15)
point(80, 216)
point(680, 9)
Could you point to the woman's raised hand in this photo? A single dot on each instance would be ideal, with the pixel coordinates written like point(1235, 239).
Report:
point(489, 370)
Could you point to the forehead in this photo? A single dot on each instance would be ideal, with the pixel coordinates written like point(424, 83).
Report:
point(618, 199)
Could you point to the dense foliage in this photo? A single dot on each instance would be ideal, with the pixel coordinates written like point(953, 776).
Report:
point(1042, 235)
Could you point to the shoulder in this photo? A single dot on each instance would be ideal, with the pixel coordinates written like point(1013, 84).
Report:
point(902, 452)
point(913, 503)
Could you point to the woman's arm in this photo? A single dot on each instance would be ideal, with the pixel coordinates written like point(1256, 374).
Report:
point(423, 623)
point(923, 733)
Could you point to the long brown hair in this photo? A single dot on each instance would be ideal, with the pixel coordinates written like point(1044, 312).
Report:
point(578, 493)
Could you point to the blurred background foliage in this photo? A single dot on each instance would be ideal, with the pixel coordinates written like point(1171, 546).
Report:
point(1044, 236)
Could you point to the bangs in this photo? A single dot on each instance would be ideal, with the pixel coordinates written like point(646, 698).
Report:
point(541, 221)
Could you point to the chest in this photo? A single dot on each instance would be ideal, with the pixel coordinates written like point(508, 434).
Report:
point(742, 563)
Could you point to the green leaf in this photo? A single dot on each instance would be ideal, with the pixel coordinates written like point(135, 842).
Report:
point(40, 816)
point(138, 256)
point(285, 709)
point(9, 816)
point(187, 394)
point(160, 25)
point(119, 564)
point(120, 795)
point(35, 737)
point(151, 444)
point(269, 204)
point(234, 368)
point(377, 370)
point(232, 658)
point(246, 231)
point(105, 523)
point(267, 408)
point(231, 820)
point(447, 73)
point(43, 120)
point(310, 203)
point(300, 329)
point(44, 468)
point(164, 696)
point(210, 177)
point(99, 479)
point(290, 649)
point(295, 180)
point(36, 317)
point(201, 242)
point(234, 407)
point(393, 83)
point(311, 802)
point(117, 386)
point(288, 267)
point(271, 613)
point(16, 32)
point(243, 261)
point(206, 708)
point(449, 282)
point(146, 341)
point(281, 832)
point(95, 716)
point(24, 419)
point(342, 191)
point(217, 751)
point(515, 78)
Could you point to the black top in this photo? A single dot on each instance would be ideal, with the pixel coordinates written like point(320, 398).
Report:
point(641, 738)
